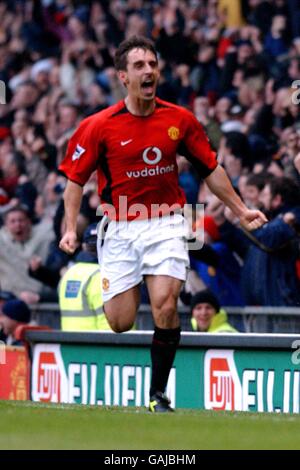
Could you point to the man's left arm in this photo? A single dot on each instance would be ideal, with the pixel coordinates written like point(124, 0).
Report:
point(219, 184)
point(196, 148)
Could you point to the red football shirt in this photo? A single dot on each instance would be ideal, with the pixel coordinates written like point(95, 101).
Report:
point(135, 156)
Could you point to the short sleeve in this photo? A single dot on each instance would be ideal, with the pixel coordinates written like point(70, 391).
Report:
point(196, 147)
point(83, 152)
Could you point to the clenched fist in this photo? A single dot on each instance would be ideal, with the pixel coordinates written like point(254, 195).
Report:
point(252, 219)
point(69, 243)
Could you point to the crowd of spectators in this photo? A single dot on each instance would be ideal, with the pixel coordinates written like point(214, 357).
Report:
point(235, 64)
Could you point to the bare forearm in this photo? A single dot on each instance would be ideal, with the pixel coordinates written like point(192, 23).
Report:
point(72, 201)
point(219, 184)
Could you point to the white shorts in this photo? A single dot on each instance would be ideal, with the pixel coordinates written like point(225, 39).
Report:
point(134, 249)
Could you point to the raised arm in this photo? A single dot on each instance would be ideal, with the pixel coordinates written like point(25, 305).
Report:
point(219, 184)
point(72, 200)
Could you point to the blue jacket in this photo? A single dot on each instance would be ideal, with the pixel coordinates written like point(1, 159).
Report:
point(224, 279)
point(268, 277)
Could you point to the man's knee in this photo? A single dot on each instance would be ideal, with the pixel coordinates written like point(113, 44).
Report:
point(120, 319)
point(119, 325)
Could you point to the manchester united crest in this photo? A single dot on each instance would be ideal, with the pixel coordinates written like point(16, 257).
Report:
point(173, 133)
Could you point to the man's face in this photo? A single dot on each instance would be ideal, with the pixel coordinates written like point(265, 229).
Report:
point(233, 165)
point(252, 196)
point(203, 314)
point(18, 225)
point(269, 202)
point(201, 106)
point(67, 117)
point(223, 105)
point(245, 51)
point(24, 96)
point(142, 74)
point(7, 325)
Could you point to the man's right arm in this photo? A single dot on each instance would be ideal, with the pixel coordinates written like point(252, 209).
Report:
point(72, 201)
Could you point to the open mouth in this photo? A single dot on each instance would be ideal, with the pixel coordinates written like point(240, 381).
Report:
point(148, 85)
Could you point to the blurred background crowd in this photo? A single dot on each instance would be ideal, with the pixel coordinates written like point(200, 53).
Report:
point(234, 63)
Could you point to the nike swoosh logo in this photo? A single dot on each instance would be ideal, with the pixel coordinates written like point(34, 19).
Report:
point(125, 142)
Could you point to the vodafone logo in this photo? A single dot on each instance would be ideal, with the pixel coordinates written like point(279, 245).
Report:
point(152, 155)
point(49, 379)
point(222, 386)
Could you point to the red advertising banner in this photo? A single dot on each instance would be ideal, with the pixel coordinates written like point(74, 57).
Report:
point(14, 374)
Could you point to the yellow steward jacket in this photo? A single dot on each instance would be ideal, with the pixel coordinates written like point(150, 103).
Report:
point(80, 299)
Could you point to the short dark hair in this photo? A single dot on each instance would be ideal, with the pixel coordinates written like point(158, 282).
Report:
point(238, 144)
point(127, 45)
point(259, 180)
point(287, 188)
point(20, 208)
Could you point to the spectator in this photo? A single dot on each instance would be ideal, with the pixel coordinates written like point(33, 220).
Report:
point(207, 316)
point(13, 313)
point(20, 240)
point(253, 187)
point(201, 111)
point(275, 43)
point(269, 273)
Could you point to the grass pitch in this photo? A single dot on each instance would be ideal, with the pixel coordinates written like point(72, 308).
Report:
point(26, 425)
